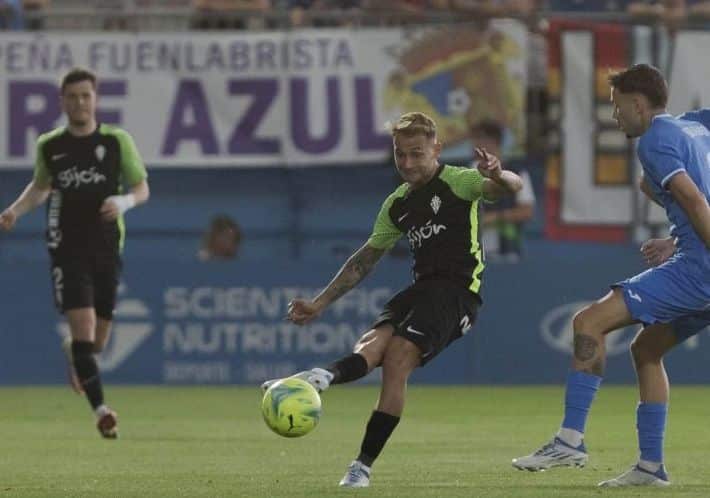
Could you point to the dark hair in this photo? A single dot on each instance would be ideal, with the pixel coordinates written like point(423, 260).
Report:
point(490, 128)
point(644, 79)
point(76, 75)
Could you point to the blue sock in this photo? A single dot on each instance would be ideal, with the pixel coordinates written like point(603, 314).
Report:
point(581, 388)
point(651, 424)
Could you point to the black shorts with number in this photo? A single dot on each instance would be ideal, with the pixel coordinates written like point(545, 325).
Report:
point(431, 313)
point(83, 279)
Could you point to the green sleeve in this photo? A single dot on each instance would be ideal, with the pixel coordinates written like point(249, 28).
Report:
point(466, 183)
point(132, 167)
point(41, 175)
point(385, 234)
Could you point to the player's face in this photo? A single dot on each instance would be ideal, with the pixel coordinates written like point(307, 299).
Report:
point(79, 102)
point(627, 113)
point(416, 157)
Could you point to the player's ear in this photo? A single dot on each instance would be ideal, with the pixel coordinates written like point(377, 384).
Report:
point(437, 147)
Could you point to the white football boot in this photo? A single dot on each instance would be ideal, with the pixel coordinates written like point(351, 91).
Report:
point(317, 377)
point(357, 476)
point(638, 476)
point(556, 453)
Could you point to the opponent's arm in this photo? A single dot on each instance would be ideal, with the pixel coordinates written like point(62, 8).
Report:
point(34, 195)
point(352, 272)
point(657, 251)
point(693, 202)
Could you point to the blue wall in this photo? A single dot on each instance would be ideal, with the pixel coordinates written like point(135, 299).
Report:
point(186, 322)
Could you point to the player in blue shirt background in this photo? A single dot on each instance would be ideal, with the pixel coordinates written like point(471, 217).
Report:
point(671, 300)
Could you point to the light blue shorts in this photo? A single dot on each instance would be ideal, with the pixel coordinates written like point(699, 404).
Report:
point(674, 293)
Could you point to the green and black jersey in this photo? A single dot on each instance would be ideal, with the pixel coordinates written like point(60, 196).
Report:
point(82, 172)
point(440, 220)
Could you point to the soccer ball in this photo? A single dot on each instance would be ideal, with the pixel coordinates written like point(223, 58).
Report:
point(291, 407)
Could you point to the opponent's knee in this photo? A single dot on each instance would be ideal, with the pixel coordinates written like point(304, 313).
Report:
point(582, 321)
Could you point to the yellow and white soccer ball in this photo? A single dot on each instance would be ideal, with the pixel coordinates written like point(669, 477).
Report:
point(291, 407)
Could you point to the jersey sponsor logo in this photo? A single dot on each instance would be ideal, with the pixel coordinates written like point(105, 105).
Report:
point(435, 203)
point(75, 178)
point(132, 326)
point(57, 157)
point(417, 236)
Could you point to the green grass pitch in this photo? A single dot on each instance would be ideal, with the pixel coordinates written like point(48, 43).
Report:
point(452, 442)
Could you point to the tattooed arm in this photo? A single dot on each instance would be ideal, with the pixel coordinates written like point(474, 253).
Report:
point(353, 271)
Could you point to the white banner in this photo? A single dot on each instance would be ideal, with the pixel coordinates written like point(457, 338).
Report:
point(272, 98)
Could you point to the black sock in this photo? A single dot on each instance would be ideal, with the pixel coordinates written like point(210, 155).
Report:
point(378, 431)
point(88, 371)
point(348, 369)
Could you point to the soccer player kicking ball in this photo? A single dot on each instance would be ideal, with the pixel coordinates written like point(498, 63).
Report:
point(669, 300)
point(437, 208)
point(81, 168)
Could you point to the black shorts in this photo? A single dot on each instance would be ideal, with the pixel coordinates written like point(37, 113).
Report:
point(81, 280)
point(431, 314)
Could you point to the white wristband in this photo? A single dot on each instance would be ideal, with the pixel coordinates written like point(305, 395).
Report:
point(123, 202)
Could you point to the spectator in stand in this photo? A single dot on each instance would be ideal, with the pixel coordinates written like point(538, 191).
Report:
point(672, 13)
point(222, 240)
point(340, 12)
point(699, 10)
point(504, 221)
point(230, 14)
point(495, 8)
point(11, 17)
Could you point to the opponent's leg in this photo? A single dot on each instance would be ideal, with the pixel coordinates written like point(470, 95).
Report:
point(590, 326)
point(647, 350)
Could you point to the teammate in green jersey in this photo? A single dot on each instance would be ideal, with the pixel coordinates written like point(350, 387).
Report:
point(81, 168)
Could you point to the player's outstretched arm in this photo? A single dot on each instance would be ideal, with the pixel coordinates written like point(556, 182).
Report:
point(357, 266)
point(498, 182)
point(34, 194)
point(694, 203)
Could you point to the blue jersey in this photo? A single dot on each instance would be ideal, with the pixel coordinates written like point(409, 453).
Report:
point(671, 146)
point(701, 116)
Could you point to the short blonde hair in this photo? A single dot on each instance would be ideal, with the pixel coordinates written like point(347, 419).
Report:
point(413, 123)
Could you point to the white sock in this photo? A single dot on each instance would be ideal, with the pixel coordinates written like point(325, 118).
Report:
point(101, 410)
point(325, 373)
point(650, 466)
point(570, 436)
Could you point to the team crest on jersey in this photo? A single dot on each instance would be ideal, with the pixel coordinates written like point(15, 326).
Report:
point(435, 203)
point(100, 152)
